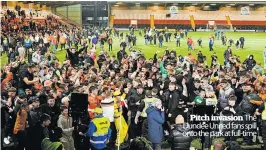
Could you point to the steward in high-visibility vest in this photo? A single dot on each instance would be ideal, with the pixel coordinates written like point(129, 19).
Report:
point(99, 130)
point(5, 42)
point(27, 43)
point(149, 101)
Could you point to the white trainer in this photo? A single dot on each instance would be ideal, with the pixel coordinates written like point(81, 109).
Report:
point(6, 141)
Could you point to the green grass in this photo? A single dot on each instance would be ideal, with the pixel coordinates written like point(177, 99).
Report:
point(255, 44)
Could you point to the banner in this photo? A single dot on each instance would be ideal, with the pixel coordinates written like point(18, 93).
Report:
point(211, 23)
point(245, 10)
point(173, 10)
point(134, 22)
point(264, 58)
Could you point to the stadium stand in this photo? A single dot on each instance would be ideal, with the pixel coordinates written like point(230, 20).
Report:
point(182, 19)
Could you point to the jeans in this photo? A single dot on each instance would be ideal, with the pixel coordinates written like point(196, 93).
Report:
point(189, 47)
point(156, 146)
point(242, 45)
point(54, 47)
point(146, 41)
point(160, 44)
point(110, 47)
point(211, 49)
point(178, 43)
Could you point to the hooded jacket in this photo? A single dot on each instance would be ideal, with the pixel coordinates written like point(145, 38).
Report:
point(171, 99)
point(250, 63)
point(248, 104)
point(224, 95)
point(133, 99)
point(155, 121)
point(66, 124)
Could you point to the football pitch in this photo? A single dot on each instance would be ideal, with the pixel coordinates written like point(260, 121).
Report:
point(255, 43)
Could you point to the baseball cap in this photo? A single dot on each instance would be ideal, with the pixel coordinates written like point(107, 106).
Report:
point(117, 93)
point(98, 110)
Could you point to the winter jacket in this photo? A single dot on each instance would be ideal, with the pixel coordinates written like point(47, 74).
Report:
point(65, 123)
point(123, 44)
point(34, 117)
point(20, 121)
point(155, 121)
point(133, 99)
point(12, 55)
point(224, 95)
point(12, 41)
point(120, 55)
point(247, 105)
point(178, 139)
point(74, 56)
point(171, 99)
point(227, 55)
point(250, 63)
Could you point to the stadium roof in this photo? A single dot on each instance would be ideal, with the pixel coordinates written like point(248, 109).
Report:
point(65, 3)
point(157, 3)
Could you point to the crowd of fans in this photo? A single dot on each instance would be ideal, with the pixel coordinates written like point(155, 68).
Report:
point(132, 101)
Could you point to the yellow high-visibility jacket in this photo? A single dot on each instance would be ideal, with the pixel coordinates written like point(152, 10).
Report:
point(121, 127)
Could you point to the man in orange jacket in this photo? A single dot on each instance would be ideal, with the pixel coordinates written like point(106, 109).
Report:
point(94, 100)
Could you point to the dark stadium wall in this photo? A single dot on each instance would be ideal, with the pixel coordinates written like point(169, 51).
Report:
point(72, 13)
